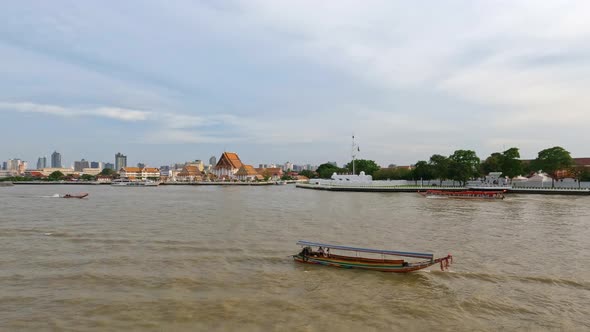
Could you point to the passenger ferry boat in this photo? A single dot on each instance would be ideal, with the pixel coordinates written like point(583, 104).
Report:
point(130, 183)
point(465, 194)
point(323, 256)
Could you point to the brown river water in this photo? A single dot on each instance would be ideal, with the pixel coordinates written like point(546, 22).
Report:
point(205, 258)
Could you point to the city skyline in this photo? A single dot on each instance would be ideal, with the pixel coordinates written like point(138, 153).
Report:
point(292, 81)
point(120, 160)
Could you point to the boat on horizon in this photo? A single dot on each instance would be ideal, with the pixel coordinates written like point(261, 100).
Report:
point(80, 195)
point(378, 262)
point(131, 183)
point(464, 194)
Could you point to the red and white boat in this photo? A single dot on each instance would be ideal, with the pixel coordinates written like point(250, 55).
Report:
point(464, 194)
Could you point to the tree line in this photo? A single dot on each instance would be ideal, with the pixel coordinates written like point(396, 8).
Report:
point(465, 165)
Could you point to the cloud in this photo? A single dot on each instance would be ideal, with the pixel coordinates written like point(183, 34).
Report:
point(116, 113)
point(409, 80)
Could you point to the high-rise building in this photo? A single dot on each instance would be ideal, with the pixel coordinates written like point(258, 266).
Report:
point(109, 166)
point(212, 161)
point(80, 165)
point(198, 163)
point(140, 165)
point(22, 167)
point(13, 164)
point(288, 166)
point(120, 161)
point(41, 162)
point(56, 160)
point(95, 164)
point(4, 165)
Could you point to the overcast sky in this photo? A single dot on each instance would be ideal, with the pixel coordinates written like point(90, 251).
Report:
point(276, 81)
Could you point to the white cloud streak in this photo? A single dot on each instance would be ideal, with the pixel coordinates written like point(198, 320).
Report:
point(116, 113)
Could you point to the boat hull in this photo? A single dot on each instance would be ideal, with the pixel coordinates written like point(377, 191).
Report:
point(75, 196)
point(392, 266)
point(135, 184)
point(477, 195)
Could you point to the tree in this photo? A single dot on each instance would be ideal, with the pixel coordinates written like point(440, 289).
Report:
point(464, 166)
point(423, 171)
point(553, 160)
point(326, 170)
point(493, 163)
point(266, 175)
point(363, 165)
point(579, 173)
point(510, 163)
point(56, 176)
point(87, 177)
point(440, 167)
point(107, 172)
point(309, 174)
point(394, 173)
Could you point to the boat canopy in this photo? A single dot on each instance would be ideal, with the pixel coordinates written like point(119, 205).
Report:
point(375, 251)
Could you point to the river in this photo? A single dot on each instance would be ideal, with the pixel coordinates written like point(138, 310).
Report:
point(207, 258)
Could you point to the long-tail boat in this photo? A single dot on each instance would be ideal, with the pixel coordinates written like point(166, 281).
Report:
point(81, 195)
point(323, 256)
point(464, 194)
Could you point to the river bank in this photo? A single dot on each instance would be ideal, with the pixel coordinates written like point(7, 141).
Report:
point(360, 187)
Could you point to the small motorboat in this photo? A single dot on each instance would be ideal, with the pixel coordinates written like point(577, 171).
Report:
point(80, 195)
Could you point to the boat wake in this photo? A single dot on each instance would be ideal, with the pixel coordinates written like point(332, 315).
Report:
point(50, 196)
point(495, 278)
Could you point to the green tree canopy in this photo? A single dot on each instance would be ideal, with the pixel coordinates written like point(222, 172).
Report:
point(507, 162)
point(579, 173)
point(107, 172)
point(510, 163)
point(493, 163)
point(56, 176)
point(395, 173)
point(87, 177)
point(464, 165)
point(440, 167)
point(309, 174)
point(422, 171)
point(326, 170)
point(553, 160)
point(363, 165)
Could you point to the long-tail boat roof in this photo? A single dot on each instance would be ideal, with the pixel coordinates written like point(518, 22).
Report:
point(375, 251)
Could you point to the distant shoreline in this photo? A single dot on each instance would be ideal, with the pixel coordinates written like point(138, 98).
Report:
point(46, 183)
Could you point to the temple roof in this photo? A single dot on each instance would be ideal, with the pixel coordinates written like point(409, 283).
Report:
point(230, 158)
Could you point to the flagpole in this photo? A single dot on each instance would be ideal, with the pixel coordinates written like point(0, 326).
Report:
point(353, 155)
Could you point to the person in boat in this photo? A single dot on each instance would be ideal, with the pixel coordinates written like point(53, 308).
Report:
point(67, 196)
point(327, 252)
point(321, 252)
point(305, 253)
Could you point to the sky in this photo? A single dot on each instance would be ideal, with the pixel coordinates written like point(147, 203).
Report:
point(276, 81)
